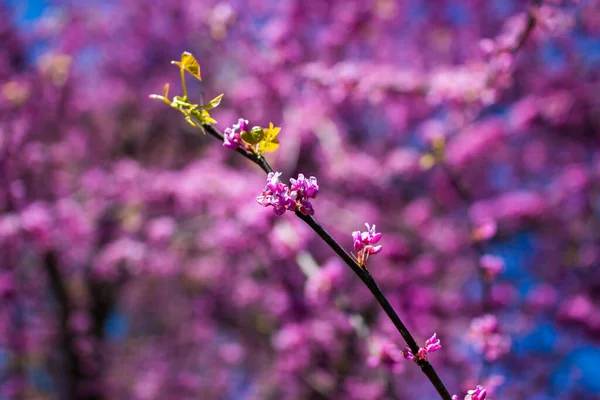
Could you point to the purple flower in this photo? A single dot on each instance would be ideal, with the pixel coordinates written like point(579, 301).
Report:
point(373, 249)
point(282, 198)
point(306, 187)
point(305, 207)
point(274, 184)
point(408, 354)
point(231, 138)
point(479, 393)
point(276, 194)
point(301, 190)
point(363, 243)
point(372, 237)
point(433, 344)
point(242, 125)
point(356, 237)
point(233, 135)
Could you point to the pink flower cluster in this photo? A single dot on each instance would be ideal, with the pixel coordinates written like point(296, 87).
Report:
point(432, 345)
point(233, 135)
point(364, 244)
point(293, 198)
point(387, 354)
point(479, 393)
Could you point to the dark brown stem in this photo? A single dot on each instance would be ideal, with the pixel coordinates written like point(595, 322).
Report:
point(362, 273)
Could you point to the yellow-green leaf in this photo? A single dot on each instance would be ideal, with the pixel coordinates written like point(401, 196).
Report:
point(188, 118)
point(271, 141)
point(205, 117)
point(159, 97)
point(189, 64)
point(272, 131)
point(213, 103)
point(269, 146)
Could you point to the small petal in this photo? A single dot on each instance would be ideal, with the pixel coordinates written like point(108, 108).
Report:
point(375, 238)
point(374, 249)
point(312, 188)
point(242, 125)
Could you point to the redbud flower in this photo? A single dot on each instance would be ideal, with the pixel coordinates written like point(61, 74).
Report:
point(276, 194)
point(233, 135)
point(356, 237)
point(433, 344)
point(305, 187)
point(408, 354)
point(301, 190)
point(479, 393)
point(231, 138)
point(282, 198)
point(363, 243)
point(242, 125)
point(273, 182)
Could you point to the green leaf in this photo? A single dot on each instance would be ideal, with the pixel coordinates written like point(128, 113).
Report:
point(188, 63)
point(271, 142)
point(213, 103)
point(255, 135)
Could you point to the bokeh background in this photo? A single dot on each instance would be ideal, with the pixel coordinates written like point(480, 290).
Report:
point(136, 264)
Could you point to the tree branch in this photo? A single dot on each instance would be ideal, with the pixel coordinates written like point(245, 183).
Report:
point(362, 273)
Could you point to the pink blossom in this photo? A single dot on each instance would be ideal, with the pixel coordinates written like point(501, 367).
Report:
point(479, 393)
point(364, 243)
point(433, 344)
